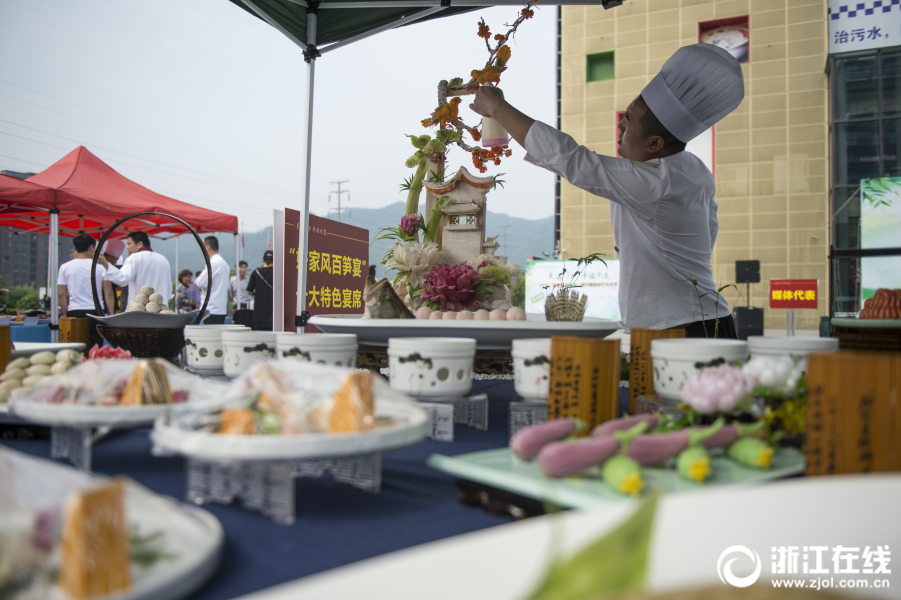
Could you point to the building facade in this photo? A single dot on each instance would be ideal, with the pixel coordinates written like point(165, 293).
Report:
point(778, 173)
point(23, 256)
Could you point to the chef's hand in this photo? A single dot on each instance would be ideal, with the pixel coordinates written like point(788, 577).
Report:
point(101, 260)
point(489, 100)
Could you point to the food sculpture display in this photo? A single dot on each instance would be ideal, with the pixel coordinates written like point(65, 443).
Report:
point(442, 259)
point(148, 301)
point(621, 448)
point(885, 304)
point(745, 412)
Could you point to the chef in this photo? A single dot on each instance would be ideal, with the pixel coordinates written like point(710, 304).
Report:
point(661, 197)
point(142, 267)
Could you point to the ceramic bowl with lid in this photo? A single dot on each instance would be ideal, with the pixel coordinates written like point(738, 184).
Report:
point(338, 349)
point(795, 347)
point(432, 367)
point(532, 368)
point(204, 344)
point(245, 347)
point(675, 360)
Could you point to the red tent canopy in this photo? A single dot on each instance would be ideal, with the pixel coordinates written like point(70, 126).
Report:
point(90, 196)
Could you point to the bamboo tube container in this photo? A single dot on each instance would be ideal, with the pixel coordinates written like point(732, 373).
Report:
point(641, 369)
point(853, 422)
point(584, 380)
point(75, 330)
point(6, 346)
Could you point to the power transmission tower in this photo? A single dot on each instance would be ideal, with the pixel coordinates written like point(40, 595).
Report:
point(339, 192)
point(505, 227)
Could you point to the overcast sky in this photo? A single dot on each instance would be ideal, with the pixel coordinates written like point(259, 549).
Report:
point(204, 103)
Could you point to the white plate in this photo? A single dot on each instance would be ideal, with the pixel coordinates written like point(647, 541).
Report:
point(141, 319)
point(193, 535)
point(489, 335)
point(411, 426)
point(26, 349)
point(691, 531)
point(85, 415)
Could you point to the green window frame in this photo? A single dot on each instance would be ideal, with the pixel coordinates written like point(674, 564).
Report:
point(600, 66)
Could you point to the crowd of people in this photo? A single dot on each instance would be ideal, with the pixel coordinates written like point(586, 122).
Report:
point(118, 282)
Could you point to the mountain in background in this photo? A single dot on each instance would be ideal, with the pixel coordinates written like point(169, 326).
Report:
point(525, 237)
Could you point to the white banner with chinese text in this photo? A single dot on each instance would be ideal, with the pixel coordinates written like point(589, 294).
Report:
point(863, 25)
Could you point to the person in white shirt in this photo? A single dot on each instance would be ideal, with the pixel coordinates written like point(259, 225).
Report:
point(74, 285)
point(142, 267)
point(237, 288)
point(218, 305)
point(661, 197)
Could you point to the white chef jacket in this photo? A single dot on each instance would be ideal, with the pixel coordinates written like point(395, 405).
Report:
point(140, 269)
point(664, 223)
point(219, 294)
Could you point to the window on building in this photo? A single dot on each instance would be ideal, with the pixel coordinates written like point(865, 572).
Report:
point(866, 138)
point(731, 34)
point(601, 67)
point(455, 220)
point(470, 219)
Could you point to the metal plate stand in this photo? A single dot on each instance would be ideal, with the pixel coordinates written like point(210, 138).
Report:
point(444, 413)
point(524, 413)
point(268, 487)
point(74, 444)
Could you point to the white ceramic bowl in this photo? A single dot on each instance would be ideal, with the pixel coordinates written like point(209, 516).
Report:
point(795, 347)
point(431, 367)
point(339, 349)
point(243, 348)
point(204, 345)
point(532, 368)
point(674, 360)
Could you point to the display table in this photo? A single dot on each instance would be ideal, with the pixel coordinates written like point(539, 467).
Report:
point(31, 333)
point(336, 524)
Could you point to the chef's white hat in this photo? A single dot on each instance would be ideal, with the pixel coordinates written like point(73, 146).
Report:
point(699, 85)
point(114, 247)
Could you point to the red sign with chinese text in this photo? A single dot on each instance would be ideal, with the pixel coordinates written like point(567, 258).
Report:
point(793, 293)
point(337, 267)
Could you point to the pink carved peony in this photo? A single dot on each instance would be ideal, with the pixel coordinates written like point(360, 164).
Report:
point(409, 223)
point(452, 287)
point(719, 389)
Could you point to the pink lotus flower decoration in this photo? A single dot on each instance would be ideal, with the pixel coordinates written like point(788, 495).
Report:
point(409, 223)
point(719, 389)
point(452, 287)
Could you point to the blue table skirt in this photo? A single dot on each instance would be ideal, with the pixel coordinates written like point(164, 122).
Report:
point(336, 523)
point(30, 333)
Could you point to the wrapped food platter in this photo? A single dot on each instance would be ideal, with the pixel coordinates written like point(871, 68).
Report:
point(175, 547)
point(76, 399)
point(489, 335)
point(286, 410)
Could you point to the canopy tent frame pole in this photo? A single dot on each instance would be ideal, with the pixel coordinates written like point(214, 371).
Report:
point(176, 263)
point(237, 276)
point(262, 14)
point(392, 25)
point(54, 273)
point(310, 55)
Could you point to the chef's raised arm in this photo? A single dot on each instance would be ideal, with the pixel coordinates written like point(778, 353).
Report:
point(122, 276)
point(636, 185)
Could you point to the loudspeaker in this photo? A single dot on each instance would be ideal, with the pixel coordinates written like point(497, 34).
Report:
point(748, 321)
point(747, 271)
